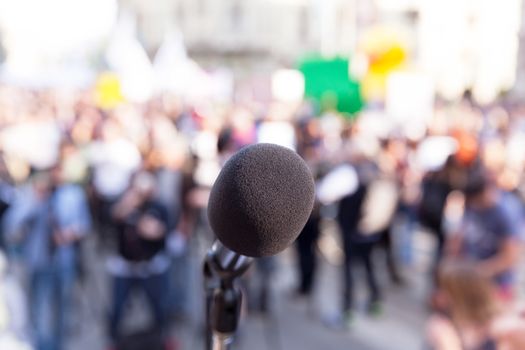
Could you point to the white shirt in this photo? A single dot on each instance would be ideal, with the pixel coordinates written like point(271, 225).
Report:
point(114, 164)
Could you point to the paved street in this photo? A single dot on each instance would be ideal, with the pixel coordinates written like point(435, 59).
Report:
point(291, 324)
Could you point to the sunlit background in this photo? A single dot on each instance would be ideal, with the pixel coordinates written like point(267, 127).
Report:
point(449, 46)
point(403, 82)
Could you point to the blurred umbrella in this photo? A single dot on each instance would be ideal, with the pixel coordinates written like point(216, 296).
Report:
point(328, 82)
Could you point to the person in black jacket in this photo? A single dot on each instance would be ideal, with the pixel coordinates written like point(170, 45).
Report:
point(435, 189)
point(306, 251)
point(358, 247)
point(141, 260)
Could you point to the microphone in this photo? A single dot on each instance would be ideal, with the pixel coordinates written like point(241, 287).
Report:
point(258, 206)
point(261, 200)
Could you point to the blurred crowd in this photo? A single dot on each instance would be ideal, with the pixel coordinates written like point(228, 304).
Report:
point(135, 179)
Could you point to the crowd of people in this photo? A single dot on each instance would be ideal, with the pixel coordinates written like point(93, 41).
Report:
point(135, 179)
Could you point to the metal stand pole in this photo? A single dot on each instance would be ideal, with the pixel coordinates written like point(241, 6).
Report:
point(222, 267)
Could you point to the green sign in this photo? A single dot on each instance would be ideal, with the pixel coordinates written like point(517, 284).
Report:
point(328, 83)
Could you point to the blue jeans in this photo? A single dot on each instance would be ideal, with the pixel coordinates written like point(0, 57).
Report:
point(406, 249)
point(155, 287)
point(180, 269)
point(50, 305)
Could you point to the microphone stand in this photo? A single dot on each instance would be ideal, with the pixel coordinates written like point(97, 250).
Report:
point(222, 267)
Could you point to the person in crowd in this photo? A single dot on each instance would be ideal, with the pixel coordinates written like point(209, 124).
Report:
point(141, 260)
point(182, 145)
point(14, 321)
point(488, 233)
point(72, 223)
point(170, 177)
point(467, 314)
point(306, 245)
point(359, 238)
point(309, 147)
point(47, 221)
point(113, 160)
point(7, 192)
point(435, 188)
point(382, 194)
point(408, 178)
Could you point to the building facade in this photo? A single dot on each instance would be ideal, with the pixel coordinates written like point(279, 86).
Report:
point(281, 29)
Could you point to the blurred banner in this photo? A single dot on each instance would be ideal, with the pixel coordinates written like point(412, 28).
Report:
point(328, 83)
point(386, 51)
point(108, 93)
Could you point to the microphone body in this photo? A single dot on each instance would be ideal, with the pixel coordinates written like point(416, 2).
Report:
point(261, 200)
point(223, 300)
point(226, 264)
point(258, 206)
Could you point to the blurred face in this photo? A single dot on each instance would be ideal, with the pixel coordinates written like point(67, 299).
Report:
point(313, 128)
point(144, 184)
point(494, 155)
point(111, 130)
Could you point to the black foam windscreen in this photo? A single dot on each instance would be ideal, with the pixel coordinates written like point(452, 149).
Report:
point(261, 200)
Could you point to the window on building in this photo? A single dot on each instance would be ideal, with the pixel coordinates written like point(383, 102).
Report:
point(181, 12)
point(303, 24)
point(201, 7)
point(236, 16)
